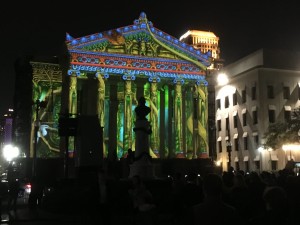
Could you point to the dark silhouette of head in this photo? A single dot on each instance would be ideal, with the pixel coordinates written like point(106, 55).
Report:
point(275, 198)
point(212, 185)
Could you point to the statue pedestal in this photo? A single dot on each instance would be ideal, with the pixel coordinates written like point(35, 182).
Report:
point(143, 168)
point(142, 165)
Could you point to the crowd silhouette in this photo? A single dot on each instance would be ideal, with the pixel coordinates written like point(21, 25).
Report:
point(230, 197)
point(233, 197)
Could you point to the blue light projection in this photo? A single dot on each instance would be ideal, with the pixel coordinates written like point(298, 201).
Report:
point(76, 72)
point(104, 70)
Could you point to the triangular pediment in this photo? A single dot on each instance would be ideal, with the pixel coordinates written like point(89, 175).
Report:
point(141, 39)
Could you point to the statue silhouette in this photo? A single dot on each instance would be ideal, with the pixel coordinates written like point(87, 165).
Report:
point(142, 110)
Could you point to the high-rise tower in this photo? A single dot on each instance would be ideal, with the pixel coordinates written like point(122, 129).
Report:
point(205, 41)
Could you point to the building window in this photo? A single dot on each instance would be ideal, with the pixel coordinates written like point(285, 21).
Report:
point(245, 143)
point(254, 116)
point(219, 125)
point(234, 98)
point(287, 115)
point(270, 90)
point(235, 121)
point(220, 146)
point(236, 144)
point(226, 102)
point(286, 92)
point(244, 98)
point(274, 165)
point(244, 119)
point(271, 115)
point(218, 103)
point(253, 93)
point(227, 123)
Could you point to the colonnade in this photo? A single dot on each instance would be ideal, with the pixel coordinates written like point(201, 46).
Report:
point(178, 114)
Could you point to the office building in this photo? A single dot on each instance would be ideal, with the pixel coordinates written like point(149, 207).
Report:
point(263, 88)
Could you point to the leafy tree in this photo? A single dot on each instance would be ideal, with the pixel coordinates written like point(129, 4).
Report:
point(281, 133)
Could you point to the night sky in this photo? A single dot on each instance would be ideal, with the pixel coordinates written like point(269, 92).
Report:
point(242, 28)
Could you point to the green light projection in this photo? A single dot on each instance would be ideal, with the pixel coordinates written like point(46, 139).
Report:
point(48, 138)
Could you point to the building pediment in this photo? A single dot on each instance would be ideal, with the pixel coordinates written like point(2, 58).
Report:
point(141, 39)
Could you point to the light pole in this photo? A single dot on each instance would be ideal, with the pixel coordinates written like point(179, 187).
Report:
point(229, 150)
point(38, 104)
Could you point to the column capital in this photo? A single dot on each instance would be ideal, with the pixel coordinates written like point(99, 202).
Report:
point(103, 75)
point(154, 79)
point(74, 73)
point(178, 80)
point(202, 82)
point(128, 77)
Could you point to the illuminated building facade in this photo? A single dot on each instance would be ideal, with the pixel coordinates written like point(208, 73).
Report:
point(37, 78)
point(109, 71)
point(104, 74)
point(205, 41)
point(263, 88)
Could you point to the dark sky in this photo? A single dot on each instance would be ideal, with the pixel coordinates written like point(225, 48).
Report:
point(244, 27)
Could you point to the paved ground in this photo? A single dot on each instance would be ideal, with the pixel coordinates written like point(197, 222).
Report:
point(65, 208)
point(24, 215)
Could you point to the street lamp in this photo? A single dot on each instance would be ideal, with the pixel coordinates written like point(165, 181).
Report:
point(222, 79)
point(10, 152)
point(229, 150)
point(261, 149)
point(291, 147)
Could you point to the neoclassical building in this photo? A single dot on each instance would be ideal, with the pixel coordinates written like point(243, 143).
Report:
point(104, 75)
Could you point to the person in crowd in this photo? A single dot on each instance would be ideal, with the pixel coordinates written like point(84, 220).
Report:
point(227, 180)
point(142, 201)
point(276, 208)
point(213, 210)
point(36, 194)
point(256, 188)
point(192, 191)
point(292, 187)
point(130, 156)
point(3, 195)
point(141, 197)
point(129, 160)
point(177, 196)
point(239, 196)
point(101, 211)
point(13, 187)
